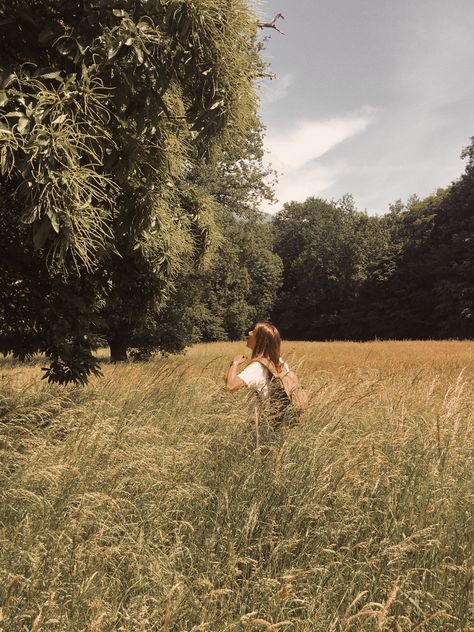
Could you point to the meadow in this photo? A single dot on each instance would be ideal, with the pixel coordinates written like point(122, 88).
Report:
point(137, 503)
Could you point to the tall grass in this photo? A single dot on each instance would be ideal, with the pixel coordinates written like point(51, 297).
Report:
point(138, 504)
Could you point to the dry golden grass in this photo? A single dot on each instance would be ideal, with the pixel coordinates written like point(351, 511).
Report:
point(137, 503)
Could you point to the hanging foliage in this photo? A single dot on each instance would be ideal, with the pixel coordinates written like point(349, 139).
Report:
point(106, 110)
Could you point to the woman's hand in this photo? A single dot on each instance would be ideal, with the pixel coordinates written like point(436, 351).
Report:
point(233, 381)
point(239, 359)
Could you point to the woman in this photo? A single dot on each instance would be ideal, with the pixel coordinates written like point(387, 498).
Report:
point(264, 340)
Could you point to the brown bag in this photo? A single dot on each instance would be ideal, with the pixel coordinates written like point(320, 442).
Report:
point(288, 381)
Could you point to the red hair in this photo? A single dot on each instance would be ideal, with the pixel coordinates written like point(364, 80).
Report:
point(267, 342)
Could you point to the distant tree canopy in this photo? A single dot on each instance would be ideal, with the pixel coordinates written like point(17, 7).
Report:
point(406, 274)
point(238, 289)
point(111, 115)
point(452, 252)
point(325, 248)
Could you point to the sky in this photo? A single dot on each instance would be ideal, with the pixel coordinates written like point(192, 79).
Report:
point(370, 97)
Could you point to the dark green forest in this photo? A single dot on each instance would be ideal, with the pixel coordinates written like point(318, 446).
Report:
point(407, 274)
point(132, 178)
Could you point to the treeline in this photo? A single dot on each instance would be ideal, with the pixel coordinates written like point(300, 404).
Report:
point(323, 270)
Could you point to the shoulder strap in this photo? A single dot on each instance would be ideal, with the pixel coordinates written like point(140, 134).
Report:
point(268, 364)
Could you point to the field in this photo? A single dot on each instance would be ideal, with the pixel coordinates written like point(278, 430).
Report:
point(138, 504)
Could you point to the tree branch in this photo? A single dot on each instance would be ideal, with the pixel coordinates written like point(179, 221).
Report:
point(271, 25)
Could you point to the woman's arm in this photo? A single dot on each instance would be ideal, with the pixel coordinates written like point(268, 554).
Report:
point(233, 382)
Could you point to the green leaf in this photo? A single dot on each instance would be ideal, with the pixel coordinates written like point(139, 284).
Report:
point(139, 54)
point(53, 218)
point(5, 82)
point(60, 119)
point(83, 48)
point(41, 232)
point(217, 104)
point(144, 26)
point(23, 123)
point(170, 14)
point(3, 98)
point(185, 28)
point(113, 50)
point(52, 75)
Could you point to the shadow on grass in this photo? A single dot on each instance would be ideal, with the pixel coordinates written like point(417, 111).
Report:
point(9, 362)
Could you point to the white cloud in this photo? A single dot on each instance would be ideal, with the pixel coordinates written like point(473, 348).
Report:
point(311, 139)
point(292, 155)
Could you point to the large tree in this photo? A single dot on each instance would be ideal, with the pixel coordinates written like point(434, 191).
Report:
point(396, 299)
point(452, 256)
point(421, 286)
point(106, 112)
point(238, 289)
point(221, 300)
point(325, 247)
point(421, 283)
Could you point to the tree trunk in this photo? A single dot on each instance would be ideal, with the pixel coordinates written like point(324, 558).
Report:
point(118, 349)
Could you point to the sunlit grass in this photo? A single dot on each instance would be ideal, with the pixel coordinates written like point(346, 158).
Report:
point(137, 503)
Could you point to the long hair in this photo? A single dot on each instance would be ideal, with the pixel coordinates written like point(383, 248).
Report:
point(267, 342)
